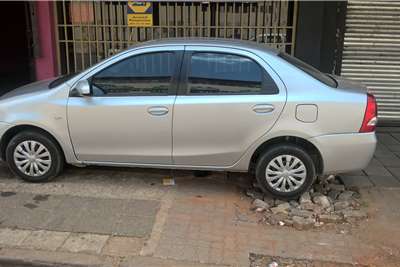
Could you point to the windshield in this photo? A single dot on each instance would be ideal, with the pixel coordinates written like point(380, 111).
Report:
point(322, 77)
point(61, 79)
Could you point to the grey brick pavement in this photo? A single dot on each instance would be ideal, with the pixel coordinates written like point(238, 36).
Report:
point(384, 169)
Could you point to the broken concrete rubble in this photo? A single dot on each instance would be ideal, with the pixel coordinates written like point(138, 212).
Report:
point(327, 203)
point(260, 205)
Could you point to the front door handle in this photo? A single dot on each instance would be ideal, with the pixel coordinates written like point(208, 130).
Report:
point(263, 108)
point(157, 110)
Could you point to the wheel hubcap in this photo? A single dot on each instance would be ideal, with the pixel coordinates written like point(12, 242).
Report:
point(285, 173)
point(32, 158)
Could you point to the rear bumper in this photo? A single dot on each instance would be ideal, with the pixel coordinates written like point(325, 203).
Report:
point(345, 152)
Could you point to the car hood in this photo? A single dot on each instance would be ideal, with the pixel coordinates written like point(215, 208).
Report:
point(29, 89)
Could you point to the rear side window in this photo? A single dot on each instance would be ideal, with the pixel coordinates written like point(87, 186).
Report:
point(316, 74)
point(141, 75)
point(227, 74)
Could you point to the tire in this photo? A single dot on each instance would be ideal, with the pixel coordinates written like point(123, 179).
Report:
point(297, 157)
point(48, 165)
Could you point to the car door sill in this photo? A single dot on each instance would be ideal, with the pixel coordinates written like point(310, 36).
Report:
point(157, 166)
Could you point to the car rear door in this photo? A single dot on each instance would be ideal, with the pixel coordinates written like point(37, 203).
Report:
point(128, 116)
point(228, 98)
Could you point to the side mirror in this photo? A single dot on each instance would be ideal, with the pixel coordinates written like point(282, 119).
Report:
point(83, 88)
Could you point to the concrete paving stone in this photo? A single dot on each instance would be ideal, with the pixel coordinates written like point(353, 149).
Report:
point(384, 181)
point(94, 224)
point(387, 139)
point(63, 222)
point(12, 237)
point(157, 262)
point(394, 148)
point(44, 202)
point(24, 218)
point(376, 169)
point(396, 134)
point(45, 240)
point(383, 151)
point(355, 173)
point(84, 243)
point(395, 172)
point(123, 246)
point(141, 207)
point(134, 226)
point(357, 181)
point(103, 207)
point(11, 199)
point(393, 161)
point(65, 213)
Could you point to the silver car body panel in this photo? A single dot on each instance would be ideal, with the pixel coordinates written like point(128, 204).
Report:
point(335, 131)
point(217, 129)
point(120, 129)
point(36, 105)
point(355, 150)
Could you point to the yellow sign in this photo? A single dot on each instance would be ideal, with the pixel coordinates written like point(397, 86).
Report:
point(140, 14)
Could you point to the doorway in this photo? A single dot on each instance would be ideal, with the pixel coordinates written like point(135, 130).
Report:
point(16, 65)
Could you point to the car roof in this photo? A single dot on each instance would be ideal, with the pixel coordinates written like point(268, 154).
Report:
point(232, 43)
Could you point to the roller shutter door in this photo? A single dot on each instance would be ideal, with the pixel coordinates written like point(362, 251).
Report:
point(371, 52)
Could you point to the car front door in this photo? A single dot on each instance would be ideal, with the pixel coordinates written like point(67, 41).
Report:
point(127, 118)
point(228, 99)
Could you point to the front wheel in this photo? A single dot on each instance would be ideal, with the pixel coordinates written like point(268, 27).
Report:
point(285, 171)
point(33, 156)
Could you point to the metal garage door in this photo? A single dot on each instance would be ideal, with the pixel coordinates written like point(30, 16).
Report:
point(372, 52)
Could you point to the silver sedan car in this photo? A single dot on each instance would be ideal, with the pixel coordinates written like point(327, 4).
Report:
point(201, 104)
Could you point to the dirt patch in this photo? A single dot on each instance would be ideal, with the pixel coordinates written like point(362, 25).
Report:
point(39, 198)
point(328, 203)
point(7, 194)
point(257, 260)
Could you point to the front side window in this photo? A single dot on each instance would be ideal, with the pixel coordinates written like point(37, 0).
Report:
point(227, 74)
point(142, 75)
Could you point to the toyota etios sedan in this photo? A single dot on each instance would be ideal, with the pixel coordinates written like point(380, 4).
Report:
point(202, 104)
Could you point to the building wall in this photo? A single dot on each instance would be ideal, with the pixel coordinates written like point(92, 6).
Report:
point(45, 59)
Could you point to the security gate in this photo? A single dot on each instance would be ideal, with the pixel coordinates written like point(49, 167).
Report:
point(88, 31)
point(372, 52)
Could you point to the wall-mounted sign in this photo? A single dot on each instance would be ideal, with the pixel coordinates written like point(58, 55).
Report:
point(140, 14)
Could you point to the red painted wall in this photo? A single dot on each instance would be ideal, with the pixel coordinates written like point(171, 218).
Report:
point(46, 62)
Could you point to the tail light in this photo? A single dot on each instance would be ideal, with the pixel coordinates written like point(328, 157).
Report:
point(370, 116)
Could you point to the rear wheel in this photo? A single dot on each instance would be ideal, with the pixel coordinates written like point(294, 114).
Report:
point(33, 156)
point(285, 171)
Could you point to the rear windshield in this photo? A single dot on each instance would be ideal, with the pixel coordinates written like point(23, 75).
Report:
point(61, 79)
point(322, 77)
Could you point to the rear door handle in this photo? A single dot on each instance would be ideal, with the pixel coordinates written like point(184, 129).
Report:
point(263, 108)
point(157, 110)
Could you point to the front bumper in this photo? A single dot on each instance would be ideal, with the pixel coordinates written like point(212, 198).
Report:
point(345, 152)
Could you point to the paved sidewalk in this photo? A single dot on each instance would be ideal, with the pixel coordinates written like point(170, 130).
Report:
point(384, 169)
point(77, 214)
point(126, 217)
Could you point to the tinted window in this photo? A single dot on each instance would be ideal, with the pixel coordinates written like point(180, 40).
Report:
point(316, 74)
point(217, 73)
point(147, 74)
